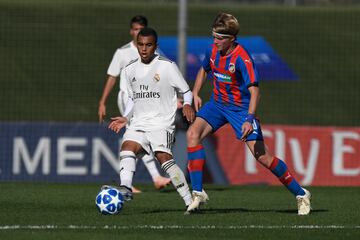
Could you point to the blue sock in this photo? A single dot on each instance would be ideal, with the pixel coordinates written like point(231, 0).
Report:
point(280, 170)
point(196, 160)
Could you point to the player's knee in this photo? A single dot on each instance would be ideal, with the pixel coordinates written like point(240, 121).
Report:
point(163, 157)
point(192, 136)
point(264, 160)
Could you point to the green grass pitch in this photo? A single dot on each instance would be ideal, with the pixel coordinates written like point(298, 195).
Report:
point(67, 211)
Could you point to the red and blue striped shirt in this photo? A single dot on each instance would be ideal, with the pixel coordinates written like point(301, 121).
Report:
point(232, 74)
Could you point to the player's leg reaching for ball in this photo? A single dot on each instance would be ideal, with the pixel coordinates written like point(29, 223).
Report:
point(126, 170)
point(148, 159)
point(161, 142)
point(177, 177)
point(130, 147)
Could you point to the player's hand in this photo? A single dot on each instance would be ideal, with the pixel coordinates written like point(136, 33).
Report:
point(246, 129)
point(189, 113)
point(117, 123)
point(197, 102)
point(101, 112)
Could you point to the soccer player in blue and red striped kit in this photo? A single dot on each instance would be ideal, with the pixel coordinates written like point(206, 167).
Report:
point(234, 100)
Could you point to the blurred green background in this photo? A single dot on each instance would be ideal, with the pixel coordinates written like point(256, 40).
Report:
point(54, 56)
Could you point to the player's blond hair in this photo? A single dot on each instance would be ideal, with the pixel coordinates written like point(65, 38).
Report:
point(226, 23)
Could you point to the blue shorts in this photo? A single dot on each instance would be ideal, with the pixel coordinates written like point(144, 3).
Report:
point(217, 116)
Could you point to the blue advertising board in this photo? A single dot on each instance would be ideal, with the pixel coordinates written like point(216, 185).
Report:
point(77, 152)
point(269, 64)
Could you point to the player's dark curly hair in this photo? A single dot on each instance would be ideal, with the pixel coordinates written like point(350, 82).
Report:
point(140, 19)
point(147, 31)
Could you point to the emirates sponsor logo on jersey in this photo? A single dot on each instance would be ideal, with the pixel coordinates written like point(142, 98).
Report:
point(144, 93)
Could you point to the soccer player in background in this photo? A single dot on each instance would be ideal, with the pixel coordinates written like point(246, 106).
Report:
point(234, 100)
point(120, 59)
point(151, 83)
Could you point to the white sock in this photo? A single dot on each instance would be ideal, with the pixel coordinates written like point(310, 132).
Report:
point(127, 167)
point(178, 180)
point(150, 164)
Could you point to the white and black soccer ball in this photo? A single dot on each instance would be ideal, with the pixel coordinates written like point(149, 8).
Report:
point(109, 201)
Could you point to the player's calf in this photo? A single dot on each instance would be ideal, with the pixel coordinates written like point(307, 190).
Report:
point(178, 180)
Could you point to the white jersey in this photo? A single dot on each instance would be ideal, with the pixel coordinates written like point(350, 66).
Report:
point(153, 87)
point(121, 58)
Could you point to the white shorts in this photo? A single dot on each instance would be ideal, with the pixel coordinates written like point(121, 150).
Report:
point(152, 141)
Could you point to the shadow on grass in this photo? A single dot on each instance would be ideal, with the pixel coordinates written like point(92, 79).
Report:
point(233, 210)
point(217, 189)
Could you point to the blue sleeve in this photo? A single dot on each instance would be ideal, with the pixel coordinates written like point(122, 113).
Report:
point(248, 71)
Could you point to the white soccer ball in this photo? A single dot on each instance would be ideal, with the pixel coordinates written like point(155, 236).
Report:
point(109, 201)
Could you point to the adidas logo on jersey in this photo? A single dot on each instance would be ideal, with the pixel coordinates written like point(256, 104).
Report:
point(133, 80)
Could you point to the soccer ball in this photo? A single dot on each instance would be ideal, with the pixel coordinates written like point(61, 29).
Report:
point(109, 201)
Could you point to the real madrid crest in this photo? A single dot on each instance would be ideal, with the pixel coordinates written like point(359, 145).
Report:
point(231, 67)
point(156, 77)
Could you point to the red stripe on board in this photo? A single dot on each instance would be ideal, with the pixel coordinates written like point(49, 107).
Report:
point(338, 149)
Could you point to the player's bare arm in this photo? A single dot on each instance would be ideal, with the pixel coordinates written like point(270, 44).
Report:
point(189, 113)
point(199, 82)
point(254, 99)
point(110, 82)
point(187, 110)
point(247, 127)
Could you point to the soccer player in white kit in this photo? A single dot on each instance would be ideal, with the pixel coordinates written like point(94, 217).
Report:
point(120, 59)
point(151, 83)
